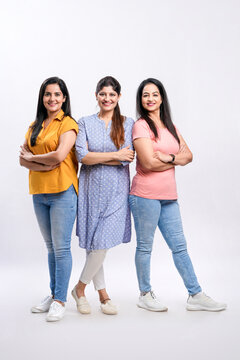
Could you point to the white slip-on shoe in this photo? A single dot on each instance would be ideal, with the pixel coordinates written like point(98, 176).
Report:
point(56, 312)
point(203, 302)
point(108, 308)
point(43, 306)
point(149, 301)
point(82, 304)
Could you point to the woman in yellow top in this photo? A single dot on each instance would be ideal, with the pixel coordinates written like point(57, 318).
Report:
point(48, 152)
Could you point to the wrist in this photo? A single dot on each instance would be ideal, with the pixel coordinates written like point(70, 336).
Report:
point(115, 156)
point(171, 161)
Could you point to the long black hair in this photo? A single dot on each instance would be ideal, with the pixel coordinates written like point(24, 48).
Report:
point(117, 129)
point(165, 113)
point(42, 111)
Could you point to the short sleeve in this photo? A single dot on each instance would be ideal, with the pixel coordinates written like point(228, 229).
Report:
point(81, 141)
point(141, 130)
point(129, 123)
point(68, 124)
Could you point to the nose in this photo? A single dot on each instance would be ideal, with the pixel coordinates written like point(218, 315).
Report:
point(52, 97)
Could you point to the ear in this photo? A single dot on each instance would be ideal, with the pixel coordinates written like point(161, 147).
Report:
point(119, 96)
point(96, 95)
point(64, 99)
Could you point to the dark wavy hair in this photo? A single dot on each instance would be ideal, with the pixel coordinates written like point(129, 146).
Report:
point(117, 129)
point(41, 110)
point(165, 113)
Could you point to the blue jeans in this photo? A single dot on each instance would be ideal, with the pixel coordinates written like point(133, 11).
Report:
point(55, 214)
point(148, 214)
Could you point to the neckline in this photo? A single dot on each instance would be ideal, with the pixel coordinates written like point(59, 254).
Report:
point(102, 121)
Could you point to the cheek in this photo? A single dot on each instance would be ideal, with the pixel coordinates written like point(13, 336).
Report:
point(99, 101)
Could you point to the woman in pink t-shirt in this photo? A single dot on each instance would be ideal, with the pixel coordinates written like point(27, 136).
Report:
point(153, 196)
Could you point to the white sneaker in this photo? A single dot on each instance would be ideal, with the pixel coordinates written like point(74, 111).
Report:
point(150, 302)
point(201, 301)
point(43, 306)
point(56, 311)
point(108, 308)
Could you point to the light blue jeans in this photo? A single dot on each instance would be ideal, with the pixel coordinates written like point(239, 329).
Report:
point(56, 213)
point(148, 214)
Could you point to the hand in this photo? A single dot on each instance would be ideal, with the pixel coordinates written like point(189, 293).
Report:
point(125, 154)
point(25, 153)
point(162, 157)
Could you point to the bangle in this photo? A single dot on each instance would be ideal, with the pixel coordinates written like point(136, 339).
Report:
point(173, 158)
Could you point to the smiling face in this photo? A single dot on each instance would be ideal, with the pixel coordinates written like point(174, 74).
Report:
point(107, 98)
point(151, 98)
point(53, 98)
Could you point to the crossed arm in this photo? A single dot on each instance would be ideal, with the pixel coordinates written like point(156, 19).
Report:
point(158, 161)
point(50, 160)
point(109, 158)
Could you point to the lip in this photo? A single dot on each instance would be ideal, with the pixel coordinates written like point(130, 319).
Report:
point(150, 104)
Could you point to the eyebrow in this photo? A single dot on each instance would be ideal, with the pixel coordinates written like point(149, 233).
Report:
point(155, 92)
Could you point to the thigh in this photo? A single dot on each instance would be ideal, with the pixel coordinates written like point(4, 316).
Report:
point(170, 225)
point(62, 215)
point(42, 211)
point(146, 213)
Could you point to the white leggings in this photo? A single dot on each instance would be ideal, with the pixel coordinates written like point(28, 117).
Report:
point(93, 269)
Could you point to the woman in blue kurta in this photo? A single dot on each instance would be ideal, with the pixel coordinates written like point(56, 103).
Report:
point(104, 147)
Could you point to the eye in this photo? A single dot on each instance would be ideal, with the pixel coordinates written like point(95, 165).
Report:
point(101, 94)
point(57, 94)
point(112, 94)
point(46, 94)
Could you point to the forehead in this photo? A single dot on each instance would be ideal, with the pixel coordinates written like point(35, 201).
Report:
point(107, 89)
point(150, 88)
point(53, 88)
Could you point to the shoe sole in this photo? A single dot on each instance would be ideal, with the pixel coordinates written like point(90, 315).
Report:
point(151, 309)
point(53, 319)
point(202, 308)
point(38, 311)
point(78, 306)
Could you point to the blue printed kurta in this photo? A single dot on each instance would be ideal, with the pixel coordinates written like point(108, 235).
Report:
point(103, 217)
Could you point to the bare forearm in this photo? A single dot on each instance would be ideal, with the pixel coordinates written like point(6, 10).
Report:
point(112, 162)
point(93, 158)
point(31, 165)
point(183, 158)
point(51, 158)
point(157, 165)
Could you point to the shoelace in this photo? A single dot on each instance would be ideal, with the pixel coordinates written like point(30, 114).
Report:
point(55, 305)
point(153, 295)
point(207, 298)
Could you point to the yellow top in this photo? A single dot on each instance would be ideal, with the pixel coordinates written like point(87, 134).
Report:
point(62, 177)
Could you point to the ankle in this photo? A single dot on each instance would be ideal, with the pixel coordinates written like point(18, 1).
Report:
point(104, 300)
point(80, 289)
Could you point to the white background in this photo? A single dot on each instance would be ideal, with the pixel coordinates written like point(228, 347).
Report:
point(193, 48)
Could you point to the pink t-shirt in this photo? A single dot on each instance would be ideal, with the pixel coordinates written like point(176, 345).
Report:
point(155, 184)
